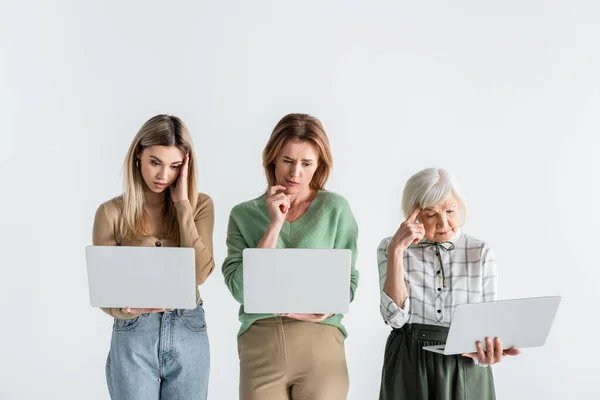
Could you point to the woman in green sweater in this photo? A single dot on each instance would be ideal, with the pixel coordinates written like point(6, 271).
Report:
point(292, 356)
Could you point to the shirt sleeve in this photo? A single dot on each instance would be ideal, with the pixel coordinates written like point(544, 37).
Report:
point(489, 267)
point(393, 315)
point(232, 269)
point(103, 234)
point(196, 231)
point(346, 238)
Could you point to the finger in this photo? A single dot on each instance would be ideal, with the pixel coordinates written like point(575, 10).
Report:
point(512, 352)
point(275, 189)
point(480, 353)
point(470, 355)
point(489, 350)
point(498, 349)
point(413, 215)
point(284, 204)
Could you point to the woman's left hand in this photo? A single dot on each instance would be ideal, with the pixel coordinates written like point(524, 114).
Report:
point(494, 352)
point(308, 317)
point(179, 190)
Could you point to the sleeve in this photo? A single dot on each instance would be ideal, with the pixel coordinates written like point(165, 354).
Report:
point(196, 230)
point(489, 290)
point(346, 238)
point(392, 315)
point(232, 269)
point(489, 268)
point(103, 234)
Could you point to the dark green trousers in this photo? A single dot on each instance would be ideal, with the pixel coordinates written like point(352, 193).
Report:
point(411, 373)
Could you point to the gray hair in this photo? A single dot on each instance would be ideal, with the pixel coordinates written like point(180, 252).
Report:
point(430, 187)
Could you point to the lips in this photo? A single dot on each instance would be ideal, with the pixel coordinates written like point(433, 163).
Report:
point(160, 184)
point(291, 182)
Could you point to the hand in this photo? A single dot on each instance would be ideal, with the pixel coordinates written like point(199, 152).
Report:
point(308, 317)
point(136, 312)
point(179, 190)
point(493, 354)
point(409, 232)
point(278, 204)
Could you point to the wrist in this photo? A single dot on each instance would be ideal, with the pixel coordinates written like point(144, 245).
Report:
point(275, 227)
point(396, 250)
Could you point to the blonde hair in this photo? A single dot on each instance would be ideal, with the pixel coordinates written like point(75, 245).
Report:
point(161, 130)
point(305, 128)
point(430, 187)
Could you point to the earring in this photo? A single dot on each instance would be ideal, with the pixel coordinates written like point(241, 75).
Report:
point(137, 163)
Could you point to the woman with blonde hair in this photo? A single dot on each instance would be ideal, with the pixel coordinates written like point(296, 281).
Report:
point(427, 268)
point(159, 353)
point(292, 356)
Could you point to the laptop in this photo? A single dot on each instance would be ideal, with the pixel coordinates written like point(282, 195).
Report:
point(298, 281)
point(141, 277)
point(518, 323)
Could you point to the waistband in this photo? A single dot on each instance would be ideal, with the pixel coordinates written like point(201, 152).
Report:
point(424, 332)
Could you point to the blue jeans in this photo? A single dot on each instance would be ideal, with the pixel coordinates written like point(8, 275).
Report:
point(159, 356)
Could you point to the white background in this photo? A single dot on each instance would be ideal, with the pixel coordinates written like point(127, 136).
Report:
point(503, 93)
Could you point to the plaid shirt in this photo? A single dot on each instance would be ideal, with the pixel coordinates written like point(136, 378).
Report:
point(471, 276)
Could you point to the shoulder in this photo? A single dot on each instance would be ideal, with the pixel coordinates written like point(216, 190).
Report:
point(333, 198)
point(248, 207)
point(204, 206)
point(204, 201)
point(383, 245)
point(474, 244)
point(332, 202)
point(111, 209)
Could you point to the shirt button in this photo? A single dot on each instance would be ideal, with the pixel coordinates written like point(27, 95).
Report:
point(438, 272)
point(439, 311)
point(158, 243)
point(439, 289)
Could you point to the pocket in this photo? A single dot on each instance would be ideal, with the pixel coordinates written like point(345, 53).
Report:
point(126, 324)
point(194, 319)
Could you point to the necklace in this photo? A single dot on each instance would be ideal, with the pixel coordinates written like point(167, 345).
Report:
point(300, 208)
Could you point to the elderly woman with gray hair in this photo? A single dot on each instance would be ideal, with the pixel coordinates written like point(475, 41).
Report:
point(427, 268)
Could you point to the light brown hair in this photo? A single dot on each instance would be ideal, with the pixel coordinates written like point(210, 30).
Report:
point(161, 130)
point(306, 128)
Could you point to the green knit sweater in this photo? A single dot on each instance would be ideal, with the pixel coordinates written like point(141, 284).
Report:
point(327, 224)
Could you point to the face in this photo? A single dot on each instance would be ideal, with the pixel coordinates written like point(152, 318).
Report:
point(160, 166)
point(295, 165)
point(440, 221)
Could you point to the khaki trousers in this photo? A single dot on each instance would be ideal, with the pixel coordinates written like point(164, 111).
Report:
point(283, 358)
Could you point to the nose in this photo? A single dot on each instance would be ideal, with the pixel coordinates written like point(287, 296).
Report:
point(295, 171)
point(442, 221)
point(162, 173)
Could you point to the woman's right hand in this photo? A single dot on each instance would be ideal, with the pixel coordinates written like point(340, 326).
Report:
point(409, 232)
point(136, 312)
point(278, 205)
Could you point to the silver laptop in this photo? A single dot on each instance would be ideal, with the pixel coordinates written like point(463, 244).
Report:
point(518, 323)
point(302, 281)
point(141, 277)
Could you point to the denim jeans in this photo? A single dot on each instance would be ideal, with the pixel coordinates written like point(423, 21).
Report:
point(159, 356)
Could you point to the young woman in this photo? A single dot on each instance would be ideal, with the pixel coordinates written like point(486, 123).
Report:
point(292, 356)
point(428, 267)
point(159, 353)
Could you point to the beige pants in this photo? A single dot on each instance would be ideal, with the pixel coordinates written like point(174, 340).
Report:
point(283, 358)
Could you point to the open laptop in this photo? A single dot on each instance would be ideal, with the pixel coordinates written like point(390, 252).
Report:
point(141, 277)
point(302, 281)
point(518, 323)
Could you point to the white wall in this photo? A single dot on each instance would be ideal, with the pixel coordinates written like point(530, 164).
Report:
point(505, 94)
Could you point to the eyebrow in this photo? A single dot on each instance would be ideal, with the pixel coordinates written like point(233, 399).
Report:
point(449, 206)
point(304, 159)
point(159, 160)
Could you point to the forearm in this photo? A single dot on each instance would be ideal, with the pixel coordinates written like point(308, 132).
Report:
point(395, 286)
point(189, 237)
point(270, 238)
